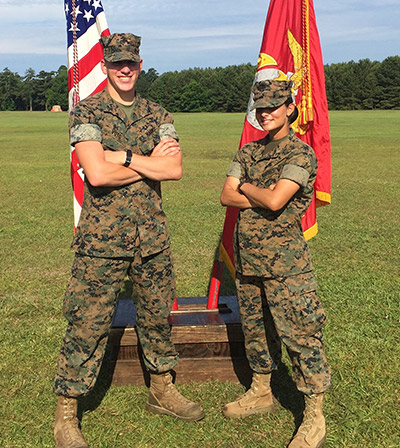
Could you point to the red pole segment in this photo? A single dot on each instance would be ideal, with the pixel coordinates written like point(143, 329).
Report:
point(215, 284)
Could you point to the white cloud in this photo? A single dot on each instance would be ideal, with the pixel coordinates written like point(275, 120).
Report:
point(362, 25)
point(199, 33)
point(16, 13)
point(181, 31)
point(364, 34)
point(32, 28)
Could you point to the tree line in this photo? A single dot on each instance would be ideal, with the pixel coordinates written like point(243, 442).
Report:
point(34, 91)
point(350, 85)
point(364, 84)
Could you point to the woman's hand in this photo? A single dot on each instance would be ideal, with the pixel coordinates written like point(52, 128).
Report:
point(274, 197)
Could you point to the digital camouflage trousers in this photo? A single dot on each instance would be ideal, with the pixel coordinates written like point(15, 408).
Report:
point(285, 310)
point(89, 305)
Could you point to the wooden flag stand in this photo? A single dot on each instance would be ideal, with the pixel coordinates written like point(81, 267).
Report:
point(206, 332)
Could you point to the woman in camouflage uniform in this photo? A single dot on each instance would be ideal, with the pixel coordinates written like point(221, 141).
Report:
point(271, 182)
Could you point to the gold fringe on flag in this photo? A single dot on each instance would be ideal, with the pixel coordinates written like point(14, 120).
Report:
point(306, 107)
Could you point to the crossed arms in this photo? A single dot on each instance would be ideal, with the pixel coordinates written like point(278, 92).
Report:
point(105, 168)
point(250, 196)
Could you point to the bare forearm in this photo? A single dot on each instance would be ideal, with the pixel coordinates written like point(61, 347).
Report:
point(235, 199)
point(112, 175)
point(231, 197)
point(164, 163)
point(158, 167)
point(258, 197)
point(270, 198)
point(101, 172)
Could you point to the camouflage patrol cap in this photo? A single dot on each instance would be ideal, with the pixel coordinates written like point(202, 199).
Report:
point(121, 47)
point(271, 93)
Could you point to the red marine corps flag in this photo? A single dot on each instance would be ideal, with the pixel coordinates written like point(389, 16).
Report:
point(290, 50)
point(86, 23)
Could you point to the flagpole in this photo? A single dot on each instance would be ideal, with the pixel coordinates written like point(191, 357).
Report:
point(75, 66)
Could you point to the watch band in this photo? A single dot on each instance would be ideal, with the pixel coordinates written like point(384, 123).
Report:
point(128, 158)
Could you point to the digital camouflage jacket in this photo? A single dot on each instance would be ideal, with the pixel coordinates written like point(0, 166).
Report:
point(116, 220)
point(267, 243)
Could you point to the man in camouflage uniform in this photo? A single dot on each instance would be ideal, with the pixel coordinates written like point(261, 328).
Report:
point(271, 182)
point(126, 146)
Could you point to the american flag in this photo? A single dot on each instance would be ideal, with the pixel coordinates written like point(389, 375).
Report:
point(86, 23)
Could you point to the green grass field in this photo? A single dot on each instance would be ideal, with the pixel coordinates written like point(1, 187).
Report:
point(356, 258)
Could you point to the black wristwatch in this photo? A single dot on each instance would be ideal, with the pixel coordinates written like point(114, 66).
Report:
point(239, 187)
point(128, 158)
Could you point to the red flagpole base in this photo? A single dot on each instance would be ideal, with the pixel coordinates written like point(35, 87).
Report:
point(215, 285)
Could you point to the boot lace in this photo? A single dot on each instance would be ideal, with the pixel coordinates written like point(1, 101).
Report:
point(71, 425)
point(253, 388)
point(174, 393)
point(69, 410)
point(309, 415)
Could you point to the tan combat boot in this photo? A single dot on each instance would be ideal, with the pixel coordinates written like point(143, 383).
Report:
point(164, 398)
point(312, 432)
point(67, 433)
point(257, 400)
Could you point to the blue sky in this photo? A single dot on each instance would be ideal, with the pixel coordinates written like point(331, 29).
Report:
point(180, 34)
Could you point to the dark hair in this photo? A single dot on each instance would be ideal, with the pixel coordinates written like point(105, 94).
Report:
point(293, 116)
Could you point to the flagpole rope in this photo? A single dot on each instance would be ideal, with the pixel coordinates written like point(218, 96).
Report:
point(75, 66)
point(307, 106)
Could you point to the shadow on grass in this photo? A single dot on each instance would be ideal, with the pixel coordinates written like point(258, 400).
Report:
point(285, 391)
point(283, 386)
point(93, 400)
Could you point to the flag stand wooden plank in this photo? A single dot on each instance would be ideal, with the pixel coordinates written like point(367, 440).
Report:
point(209, 343)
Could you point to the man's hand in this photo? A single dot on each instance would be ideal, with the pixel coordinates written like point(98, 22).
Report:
point(164, 163)
point(167, 147)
